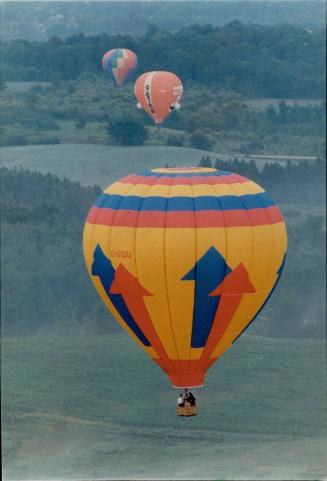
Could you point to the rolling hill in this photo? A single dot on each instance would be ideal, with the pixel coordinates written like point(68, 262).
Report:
point(103, 164)
point(98, 164)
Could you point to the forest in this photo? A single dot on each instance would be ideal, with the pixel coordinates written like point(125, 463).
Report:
point(45, 287)
point(91, 110)
point(254, 60)
point(68, 98)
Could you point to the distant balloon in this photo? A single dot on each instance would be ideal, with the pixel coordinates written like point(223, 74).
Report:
point(158, 93)
point(121, 62)
point(185, 259)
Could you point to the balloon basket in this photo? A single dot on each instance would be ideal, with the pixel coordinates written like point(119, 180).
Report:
point(187, 410)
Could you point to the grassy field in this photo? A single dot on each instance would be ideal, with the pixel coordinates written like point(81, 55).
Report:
point(97, 407)
point(24, 86)
point(102, 164)
point(262, 104)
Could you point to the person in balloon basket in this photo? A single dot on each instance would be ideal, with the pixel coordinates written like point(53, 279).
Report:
point(191, 399)
point(181, 400)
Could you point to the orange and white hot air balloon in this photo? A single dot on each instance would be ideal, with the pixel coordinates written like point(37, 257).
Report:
point(158, 93)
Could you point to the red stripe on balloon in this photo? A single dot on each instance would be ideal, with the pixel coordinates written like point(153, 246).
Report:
point(184, 180)
point(173, 219)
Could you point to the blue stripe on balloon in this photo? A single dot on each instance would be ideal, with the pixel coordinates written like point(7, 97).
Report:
point(185, 204)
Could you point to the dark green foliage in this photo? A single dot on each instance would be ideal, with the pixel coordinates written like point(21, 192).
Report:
point(252, 147)
point(2, 83)
point(175, 140)
point(199, 140)
point(80, 122)
point(226, 118)
point(47, 141)
point(127, 131)
point(302, 183)
point(27, 110)
point(13, 140)
point(254, 60)
point(45, 284)
point(205, 162)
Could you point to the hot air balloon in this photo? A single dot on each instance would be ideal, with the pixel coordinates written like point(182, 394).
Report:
point(121, 62)
point(158, 93)
point(185, 259)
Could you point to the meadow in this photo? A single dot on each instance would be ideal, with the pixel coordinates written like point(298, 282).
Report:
point(104, 164)
point(96, 406)
point(94, 164)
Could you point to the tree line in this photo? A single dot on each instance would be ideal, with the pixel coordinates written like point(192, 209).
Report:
point(282, 61)
point(291, 183)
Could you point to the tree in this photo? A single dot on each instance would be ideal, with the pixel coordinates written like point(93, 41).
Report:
point(2, 83)
point(200, 140)
point(80, 122)
point(175, 140)
point(127, 131)
point(283, 109)
point(205, 161)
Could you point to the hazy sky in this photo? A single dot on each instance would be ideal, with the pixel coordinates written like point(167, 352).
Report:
point(88, 1)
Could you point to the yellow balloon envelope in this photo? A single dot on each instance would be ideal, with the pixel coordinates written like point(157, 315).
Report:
point(185, 258)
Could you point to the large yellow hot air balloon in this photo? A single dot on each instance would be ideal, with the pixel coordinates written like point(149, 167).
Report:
point(185, 258)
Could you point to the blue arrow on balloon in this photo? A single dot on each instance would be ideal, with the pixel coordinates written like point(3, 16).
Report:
point(208, 272)
point(103, 268)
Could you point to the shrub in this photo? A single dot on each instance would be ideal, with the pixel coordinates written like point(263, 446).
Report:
point(175, 140)
point(205, 162)
point(127, 131)
point(252, 147)
point(13, 140)
point(47, 141)
point(80, 123)
point(199, 140)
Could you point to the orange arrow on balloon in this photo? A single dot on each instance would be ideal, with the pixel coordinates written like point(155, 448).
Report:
point(230, 290)
point(129, 287)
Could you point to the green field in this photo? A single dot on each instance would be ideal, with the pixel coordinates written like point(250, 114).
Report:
point(261, 104)
point(102, 164)
point(97, 407)
point(24, 86)
point(94, 164)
